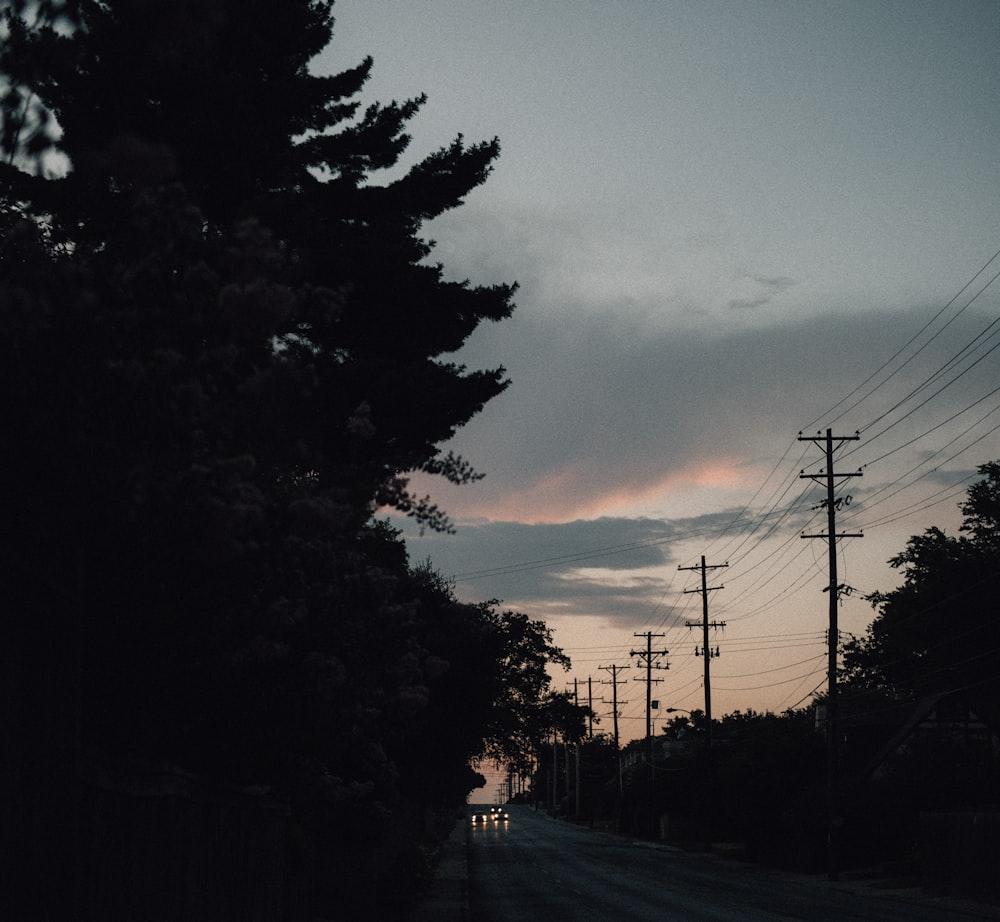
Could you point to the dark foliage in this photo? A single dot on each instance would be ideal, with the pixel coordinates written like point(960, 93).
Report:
point(223, 348)
point(938, 631)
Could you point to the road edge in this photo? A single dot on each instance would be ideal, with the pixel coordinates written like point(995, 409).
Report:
point(447, 896)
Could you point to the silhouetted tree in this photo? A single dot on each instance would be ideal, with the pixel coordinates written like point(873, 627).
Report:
point(218, 97)
point(224, 347)
point(486, 686)
point(938, 631)
point(232, 332)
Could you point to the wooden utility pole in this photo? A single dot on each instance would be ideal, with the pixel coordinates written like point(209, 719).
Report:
point(614, 670)
point(590, 709)
point(576, 701)
point(831, 503)
point(555, 771)
point(705, 624)
point(651, 658)
point(708, 795)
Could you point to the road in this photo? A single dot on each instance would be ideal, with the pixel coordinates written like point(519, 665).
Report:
point(535, 868)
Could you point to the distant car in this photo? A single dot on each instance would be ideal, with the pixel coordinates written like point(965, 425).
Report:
point(478, 817)
point(499, 815)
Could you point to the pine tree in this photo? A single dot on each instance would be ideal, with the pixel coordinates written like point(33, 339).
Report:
point(224, 345)
point(217, 96)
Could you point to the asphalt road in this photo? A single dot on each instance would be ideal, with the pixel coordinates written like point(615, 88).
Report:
point(535, 868)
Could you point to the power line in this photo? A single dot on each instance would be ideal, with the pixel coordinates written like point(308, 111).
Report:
point(835, 419)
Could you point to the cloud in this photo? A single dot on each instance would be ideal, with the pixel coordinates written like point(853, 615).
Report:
point(749, 305)
point(778, 283)
point(608, 568)
point(602, 416)
point(636, 410)
point(616, 456)
point(771, 285)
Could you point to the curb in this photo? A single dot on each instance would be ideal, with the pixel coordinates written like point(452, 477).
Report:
point(447, 897)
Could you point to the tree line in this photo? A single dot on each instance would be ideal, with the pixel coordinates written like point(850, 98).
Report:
point(225, 348)
point(919, 701)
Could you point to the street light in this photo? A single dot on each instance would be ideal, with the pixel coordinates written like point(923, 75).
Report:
point(666, 727)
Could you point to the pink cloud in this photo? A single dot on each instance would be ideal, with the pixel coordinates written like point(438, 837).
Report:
point(571, 493)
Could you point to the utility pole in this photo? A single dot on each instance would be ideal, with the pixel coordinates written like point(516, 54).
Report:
point(708, 791)
point(576, 693)
point(568, 775)
point(706, 650)
point(555, 771)
point(614, 670)
point(651, 658)
point(590, 709)
point(576, 786)
point(831, 503)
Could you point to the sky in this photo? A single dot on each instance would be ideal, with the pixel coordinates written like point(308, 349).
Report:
point(730, 222)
